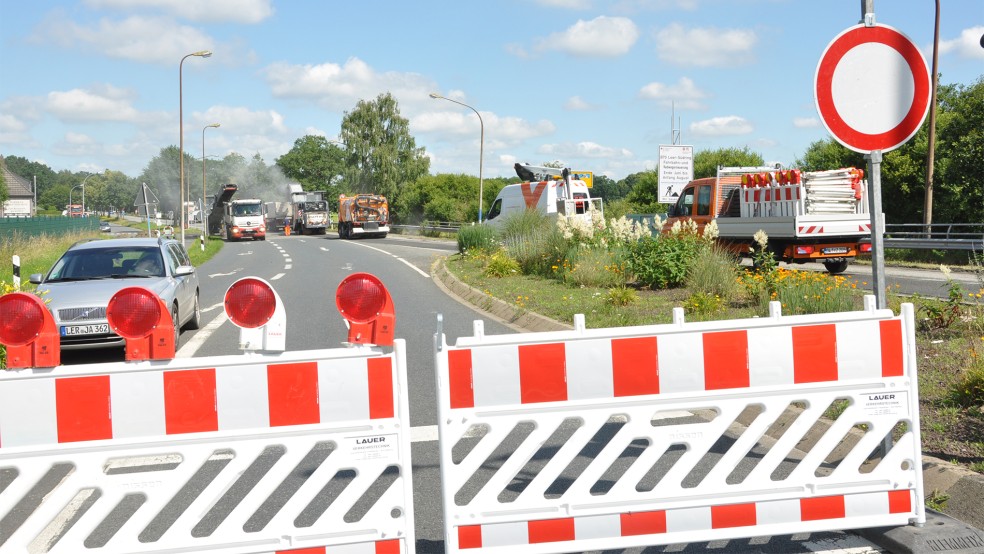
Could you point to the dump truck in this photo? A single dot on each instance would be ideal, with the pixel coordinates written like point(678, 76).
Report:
point(308, 211)
point(363, 215)
point(236, 219)
point(809, 216)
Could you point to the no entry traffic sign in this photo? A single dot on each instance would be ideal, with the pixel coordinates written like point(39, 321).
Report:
point(872, 88)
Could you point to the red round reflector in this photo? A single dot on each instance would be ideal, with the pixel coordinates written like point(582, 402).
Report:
point(359, 297)
point(21, 319)
point(250, 303)
point(134, 312)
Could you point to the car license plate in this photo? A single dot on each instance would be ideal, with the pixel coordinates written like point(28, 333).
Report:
point(96, 329)
point(835, 250)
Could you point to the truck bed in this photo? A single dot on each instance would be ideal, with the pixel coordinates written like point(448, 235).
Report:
point(824, 226)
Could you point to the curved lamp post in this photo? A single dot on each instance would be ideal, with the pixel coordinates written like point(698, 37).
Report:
point(202, 212)
point(181, 171)
point(481, 148)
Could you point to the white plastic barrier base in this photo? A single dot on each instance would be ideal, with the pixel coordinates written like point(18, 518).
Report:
point(233, 454)
point(617, 438)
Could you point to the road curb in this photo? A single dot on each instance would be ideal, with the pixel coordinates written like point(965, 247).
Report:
point(961, 488)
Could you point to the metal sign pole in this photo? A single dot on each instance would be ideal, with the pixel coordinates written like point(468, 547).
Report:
point(877, 228)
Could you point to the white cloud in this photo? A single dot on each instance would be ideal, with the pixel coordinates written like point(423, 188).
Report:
point(805, 122)
point(705, 47)
point(339, 87)
point(967, 46)
point(11, 124)
point(463, 123)
point(584, 149)
point(235, 11)
point(684, 94)
point(578, 104)
point(236, 120)
point(722, 126)
point(105, 104)
point(136, 38)
point(602, 37)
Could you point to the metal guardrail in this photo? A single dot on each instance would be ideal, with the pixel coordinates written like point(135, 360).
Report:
point(914, 236)
point(936, 236)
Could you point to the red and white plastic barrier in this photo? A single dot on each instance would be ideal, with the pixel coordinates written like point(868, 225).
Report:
point(790, 193)
point(617, 438)
point(274, 451)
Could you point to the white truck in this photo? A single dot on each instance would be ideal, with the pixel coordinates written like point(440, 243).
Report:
point(308, 211)
point(547, 190)
point(243, 219)
point(819, 216)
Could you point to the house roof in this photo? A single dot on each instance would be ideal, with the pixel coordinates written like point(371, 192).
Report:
point(17, 186)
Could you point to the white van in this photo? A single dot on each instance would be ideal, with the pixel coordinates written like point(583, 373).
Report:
point(551, 197)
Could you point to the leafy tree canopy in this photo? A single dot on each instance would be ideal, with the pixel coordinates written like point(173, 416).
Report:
point(382, 156)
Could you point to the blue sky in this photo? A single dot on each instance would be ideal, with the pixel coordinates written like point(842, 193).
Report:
point(93, 84)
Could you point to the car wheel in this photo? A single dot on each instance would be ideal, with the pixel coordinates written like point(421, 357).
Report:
point(177, 326)
point(196, 318)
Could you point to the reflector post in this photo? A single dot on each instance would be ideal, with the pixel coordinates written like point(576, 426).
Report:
point(28, 332)
point(364, 302)
point(254, 307)
point(140, 316)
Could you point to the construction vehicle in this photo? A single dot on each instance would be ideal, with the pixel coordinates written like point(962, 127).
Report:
point(363, 215)
point(814, 216)
point(276, 215)
point(547, 190)
point(236, 219)
point(308, 211)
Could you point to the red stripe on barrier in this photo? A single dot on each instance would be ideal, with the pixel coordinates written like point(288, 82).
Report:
point(189, 401)
point(461, 391)
point(551, 530)
point(542, 373)
point(635, 366)
point(734, 515)
point(814, 353)
point(470, 536)
point(891, 347)
point(380, 372)
point(726, 360)
point(388, 547)
point(643, 523)
point(314, 550)
point(83, 409)
point(899, 502)
point(827, 507)
point(292, 393)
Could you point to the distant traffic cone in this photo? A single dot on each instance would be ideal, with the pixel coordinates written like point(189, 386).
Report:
point(287, 230)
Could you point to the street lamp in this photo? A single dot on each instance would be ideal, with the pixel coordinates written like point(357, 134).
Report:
point(202, 212)
point(181, 171)
point(481, 149)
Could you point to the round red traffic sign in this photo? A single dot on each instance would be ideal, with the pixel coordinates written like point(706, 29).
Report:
point(872, 88)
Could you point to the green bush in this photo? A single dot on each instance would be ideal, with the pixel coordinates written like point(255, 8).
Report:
point(499, 264)
point(476, 238)
point(663, 262)
point(969, 390)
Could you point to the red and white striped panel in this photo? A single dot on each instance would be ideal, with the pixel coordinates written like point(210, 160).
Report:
point(52, 410)
point(687, 520)
point(809, 230)
point(599, 368)
point(378, 547)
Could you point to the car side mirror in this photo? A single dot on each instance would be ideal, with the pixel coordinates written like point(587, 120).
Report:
point(36, 278)
point(183, 270)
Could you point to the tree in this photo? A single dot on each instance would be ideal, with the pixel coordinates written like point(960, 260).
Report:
point(609, 189)
point(381, 155)
point(162, 174)
point(644, 195)
point(315, 163)
point(4, 191)
point(706, 162)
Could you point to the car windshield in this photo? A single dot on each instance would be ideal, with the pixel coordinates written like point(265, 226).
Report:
point(314, 206)
point(108, 263)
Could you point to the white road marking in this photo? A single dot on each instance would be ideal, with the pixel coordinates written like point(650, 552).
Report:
point(325, 249)
point(277, 276)
point(213, 307)
point(415, 268)
point(196, 342)
point(211, 275)
point(288, 266)
point(424, 433)
point(246, 253)
point(288, 260)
